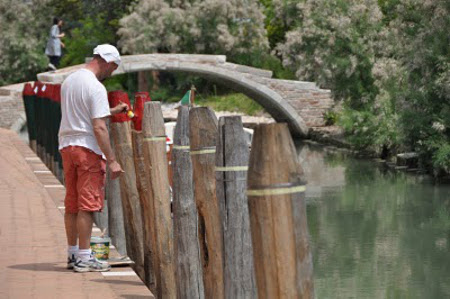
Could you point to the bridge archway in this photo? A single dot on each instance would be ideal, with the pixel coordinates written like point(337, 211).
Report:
point(271, 94)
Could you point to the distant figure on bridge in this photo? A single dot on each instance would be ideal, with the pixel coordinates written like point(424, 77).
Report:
point(54, 44)
point(85, 148)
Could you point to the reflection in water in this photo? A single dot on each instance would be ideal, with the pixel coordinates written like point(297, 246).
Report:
point(375, 233)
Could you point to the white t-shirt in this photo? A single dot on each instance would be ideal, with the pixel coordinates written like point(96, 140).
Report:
point(83, 98)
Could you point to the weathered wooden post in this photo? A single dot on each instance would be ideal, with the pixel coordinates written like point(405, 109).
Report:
point(282, 256)
point(143, 189)
point(121, 137)
point(231, 185)
point(192, 96)
point(203, 135)
point(185, 218)
point(159, 199)
point(143, 81)
point(116, 226)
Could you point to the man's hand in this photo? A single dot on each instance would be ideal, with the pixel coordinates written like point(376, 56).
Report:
point(121, 107)
point(115, 169)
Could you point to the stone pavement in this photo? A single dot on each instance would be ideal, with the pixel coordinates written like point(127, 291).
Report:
point(32, 238)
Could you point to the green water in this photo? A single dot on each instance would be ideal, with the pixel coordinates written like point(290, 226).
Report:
point(375, 233)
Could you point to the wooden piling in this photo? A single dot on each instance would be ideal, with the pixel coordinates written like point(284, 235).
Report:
point(281, 250)
point(185, 218)
point(143, 189)
point(121, 136)
point(231, 184)
point(203, 135)
point(116, 226)
point(157, 176)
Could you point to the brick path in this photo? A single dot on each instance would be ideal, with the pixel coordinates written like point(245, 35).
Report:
point(32, 237)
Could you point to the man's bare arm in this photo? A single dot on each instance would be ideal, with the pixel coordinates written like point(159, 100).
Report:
point(102, 136)
point(121, 107)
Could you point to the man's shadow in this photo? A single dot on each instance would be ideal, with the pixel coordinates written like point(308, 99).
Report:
point(45, 267)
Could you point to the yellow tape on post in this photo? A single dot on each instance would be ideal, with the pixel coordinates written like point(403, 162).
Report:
point(206, 150)
point(156, 138)
point(276, 191)
point(232, 168)
point(181, 147)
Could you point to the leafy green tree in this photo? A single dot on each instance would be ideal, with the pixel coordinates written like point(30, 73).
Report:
point(281, 17)
point(84, 39)
point(88, 23)
point(24, 33)
point(420, 29)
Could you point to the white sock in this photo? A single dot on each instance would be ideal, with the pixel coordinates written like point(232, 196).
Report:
point(72, 250)
point(84, 254)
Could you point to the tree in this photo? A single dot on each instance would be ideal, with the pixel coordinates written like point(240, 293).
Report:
point(204, 27)
point(281, 17)
point(25, 27)
point(335, 46)
point(420, 29)
point(88, 23)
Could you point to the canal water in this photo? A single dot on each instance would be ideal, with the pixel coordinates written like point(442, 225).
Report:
point(375, 232)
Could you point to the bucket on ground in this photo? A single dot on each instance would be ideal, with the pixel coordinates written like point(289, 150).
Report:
point(100, 247)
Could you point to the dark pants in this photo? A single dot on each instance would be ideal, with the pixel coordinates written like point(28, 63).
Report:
point(55, 60)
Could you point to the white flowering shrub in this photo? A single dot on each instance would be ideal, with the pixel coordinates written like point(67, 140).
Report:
point(335, 46)
point(24, 30)
point(203, 27)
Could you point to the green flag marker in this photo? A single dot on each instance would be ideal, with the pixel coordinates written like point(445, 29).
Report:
point(186, 100)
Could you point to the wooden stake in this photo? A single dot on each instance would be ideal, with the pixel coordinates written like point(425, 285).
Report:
point(185, 218)
point(192, 96)
point(203, 135)
point(121, 133)
point(147, 216)
point(159, 196)
point(231, 185)
point(282, 256)
point(116, 227)
point(143, 188)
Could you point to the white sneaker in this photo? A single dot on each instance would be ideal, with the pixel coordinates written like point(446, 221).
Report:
point(91, 265)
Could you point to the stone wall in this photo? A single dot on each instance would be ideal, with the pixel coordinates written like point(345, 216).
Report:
point(310, 102)
point(12, 111)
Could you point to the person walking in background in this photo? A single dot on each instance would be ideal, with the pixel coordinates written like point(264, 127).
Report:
point(85, 148)
point(54, 44)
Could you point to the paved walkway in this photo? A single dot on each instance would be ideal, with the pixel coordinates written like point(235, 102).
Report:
point(32, 237)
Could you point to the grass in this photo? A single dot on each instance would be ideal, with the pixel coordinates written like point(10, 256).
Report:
point(234, 102)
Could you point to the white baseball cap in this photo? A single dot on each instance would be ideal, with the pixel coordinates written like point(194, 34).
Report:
point(108, 53)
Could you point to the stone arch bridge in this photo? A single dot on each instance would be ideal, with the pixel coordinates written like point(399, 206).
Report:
point(300, 104)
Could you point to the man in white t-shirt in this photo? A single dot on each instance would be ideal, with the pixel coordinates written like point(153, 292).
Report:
point(84, 145)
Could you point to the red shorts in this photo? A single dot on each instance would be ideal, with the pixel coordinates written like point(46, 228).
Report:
point(85, 175)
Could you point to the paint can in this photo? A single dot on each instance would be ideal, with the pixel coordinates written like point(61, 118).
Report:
point(100, 247)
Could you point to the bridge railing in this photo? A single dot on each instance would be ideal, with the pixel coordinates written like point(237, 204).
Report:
point(43, 111)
